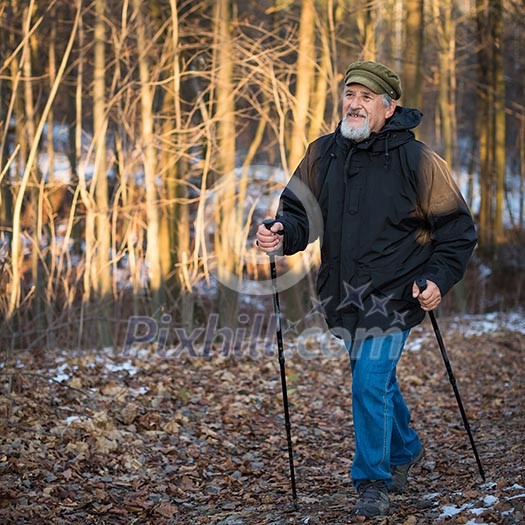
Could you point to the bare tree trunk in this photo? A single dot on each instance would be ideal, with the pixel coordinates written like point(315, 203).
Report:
point(177, 189)
point(496, 17)
point(397, 40)
point(51, 118)
point(50, 184)
point(225, 115)
point(413, 53)
point(7, 92)
point(334, 15)
point(321, 84)
point(445, 32)
point(16, 108)
point(522, 170)
point(100, 177)
point(17, 101)
point(366, 23)
point(474, 157)
point(149, 161)
point(484, 107)
point(295, 296)
point(303, 84)
point(36, 208)
point(89, 273)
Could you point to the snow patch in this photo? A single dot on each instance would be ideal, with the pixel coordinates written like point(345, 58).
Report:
point(489, 485)
point(61, 376)
point(448, 511)
point(138, 391)
point(516, 486)
point(126, 366)
point(516, 496)
point(475, 325)
point(416, 344)
point(432, 495)
point(490, 500)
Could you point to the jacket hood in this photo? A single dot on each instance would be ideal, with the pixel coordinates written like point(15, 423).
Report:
point(403, 119)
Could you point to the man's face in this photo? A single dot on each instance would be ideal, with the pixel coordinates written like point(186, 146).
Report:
point(363, 109)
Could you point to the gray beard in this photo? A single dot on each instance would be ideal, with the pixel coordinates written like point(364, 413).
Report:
point(356, 134)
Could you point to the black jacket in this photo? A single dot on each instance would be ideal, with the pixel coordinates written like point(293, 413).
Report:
point(390, 213)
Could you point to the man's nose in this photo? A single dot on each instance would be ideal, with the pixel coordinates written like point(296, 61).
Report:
point(355, 103)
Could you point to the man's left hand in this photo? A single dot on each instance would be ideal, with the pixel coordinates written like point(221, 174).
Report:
point(430, 298)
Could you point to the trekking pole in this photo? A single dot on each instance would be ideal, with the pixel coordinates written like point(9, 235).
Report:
point(422, 285)
point(268, 223)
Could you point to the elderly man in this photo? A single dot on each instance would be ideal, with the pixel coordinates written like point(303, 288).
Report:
point(391, 214)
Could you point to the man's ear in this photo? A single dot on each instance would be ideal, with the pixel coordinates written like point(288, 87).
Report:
point(390, 110)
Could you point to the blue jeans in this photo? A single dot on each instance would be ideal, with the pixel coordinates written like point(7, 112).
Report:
point(383, 436)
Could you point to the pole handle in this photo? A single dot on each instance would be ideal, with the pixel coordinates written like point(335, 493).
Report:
point(269, 223)
point(421, 283)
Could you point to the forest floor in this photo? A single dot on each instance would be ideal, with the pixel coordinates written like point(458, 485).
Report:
point(106, 437)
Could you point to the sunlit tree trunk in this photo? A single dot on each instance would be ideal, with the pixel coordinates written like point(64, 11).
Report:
point(366, 23)
point(35, 186)
point(396, 35)
point(225, 202)
point(305, 76)
point(88, 234)
point(496, 17)
point(334, 16)
point(50, 262)
point(303, 84)
point(492, 128)
point(149, 158)
point(89, 274)
point(412, 72)
point(321, 82)
point(445, 33)
point(179, 211)
point(100, 177)
point(103, 283)
point(51, 118)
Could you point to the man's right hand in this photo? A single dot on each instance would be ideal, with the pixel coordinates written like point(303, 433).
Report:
point(268, 240)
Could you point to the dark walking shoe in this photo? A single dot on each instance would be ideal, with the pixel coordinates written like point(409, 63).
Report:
point(400, 473)
point(373, 499)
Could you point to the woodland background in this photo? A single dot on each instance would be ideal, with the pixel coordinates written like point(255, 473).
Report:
point(117, 119)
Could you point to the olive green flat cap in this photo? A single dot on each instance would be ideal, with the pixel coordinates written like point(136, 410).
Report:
point(375, 76)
